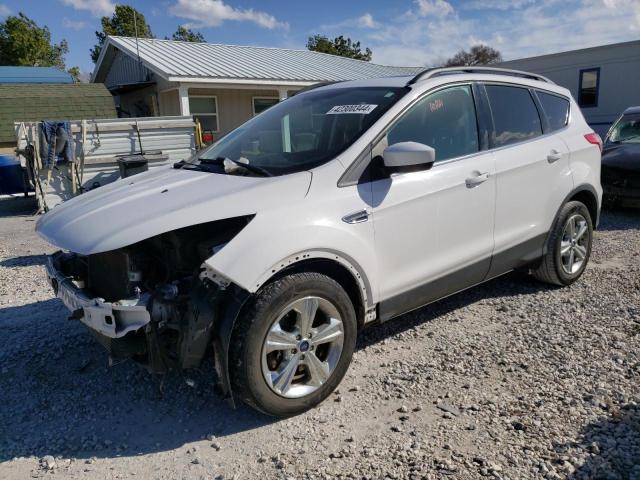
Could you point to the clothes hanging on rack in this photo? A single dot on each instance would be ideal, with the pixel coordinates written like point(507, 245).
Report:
point(57, 142)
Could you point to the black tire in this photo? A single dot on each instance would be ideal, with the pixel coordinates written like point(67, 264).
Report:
point(249, 333)
point(551, 268)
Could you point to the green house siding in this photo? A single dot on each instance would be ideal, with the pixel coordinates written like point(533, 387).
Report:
point(32, 102)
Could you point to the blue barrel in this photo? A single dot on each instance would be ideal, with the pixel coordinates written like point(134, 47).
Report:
point(11, 180)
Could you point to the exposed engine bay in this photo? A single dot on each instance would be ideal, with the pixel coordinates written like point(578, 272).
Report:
point(161, 278)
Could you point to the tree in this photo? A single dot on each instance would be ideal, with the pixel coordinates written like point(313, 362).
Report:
point(187, 35)
point(477, 55)
point(341, 46)
point(23, 42)
point(75, 73)
point(123, 22)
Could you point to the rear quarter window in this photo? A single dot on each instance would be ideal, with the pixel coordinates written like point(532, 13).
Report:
point(515, 116)
point(556, 109)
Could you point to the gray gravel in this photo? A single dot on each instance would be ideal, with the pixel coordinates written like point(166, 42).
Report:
point(509, 380)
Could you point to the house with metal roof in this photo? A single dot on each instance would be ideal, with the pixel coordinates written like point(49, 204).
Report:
point(221, 86)
point(33, 75)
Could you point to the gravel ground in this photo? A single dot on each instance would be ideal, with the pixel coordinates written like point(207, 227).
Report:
point(509, 380)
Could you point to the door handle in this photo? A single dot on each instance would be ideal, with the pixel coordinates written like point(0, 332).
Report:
point(477, 179)
point(356, 217)
point(554, 156)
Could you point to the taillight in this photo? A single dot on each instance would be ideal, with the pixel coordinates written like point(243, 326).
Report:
point(594, 139)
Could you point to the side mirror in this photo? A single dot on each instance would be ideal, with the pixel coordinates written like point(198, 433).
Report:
point(409, 154)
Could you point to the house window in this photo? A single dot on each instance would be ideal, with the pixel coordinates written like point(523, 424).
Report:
point(204, 109)
point(589, 84)
point(260, 104)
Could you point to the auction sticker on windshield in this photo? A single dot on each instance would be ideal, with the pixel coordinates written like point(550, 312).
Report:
point(362, 109)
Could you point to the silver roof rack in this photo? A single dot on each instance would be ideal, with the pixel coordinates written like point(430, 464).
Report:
point(438, 72)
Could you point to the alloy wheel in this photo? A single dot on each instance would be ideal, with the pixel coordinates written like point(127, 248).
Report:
point(574, 244)
point(302, 347)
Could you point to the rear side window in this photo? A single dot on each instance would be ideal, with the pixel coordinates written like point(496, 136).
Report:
point(444, 120)
point(555, 108)
point(515, 116)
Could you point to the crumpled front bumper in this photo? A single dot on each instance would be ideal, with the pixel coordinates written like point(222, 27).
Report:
point(111, 319)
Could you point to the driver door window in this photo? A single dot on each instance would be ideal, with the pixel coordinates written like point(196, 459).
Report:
point(444, 120)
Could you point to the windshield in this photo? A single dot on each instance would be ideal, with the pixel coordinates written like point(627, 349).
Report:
point(626, 130)
point(302, 132)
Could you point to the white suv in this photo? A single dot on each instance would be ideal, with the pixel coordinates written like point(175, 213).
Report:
point(346, 204)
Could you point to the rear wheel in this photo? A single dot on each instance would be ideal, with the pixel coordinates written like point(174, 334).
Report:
point(568, 246)
point(293, 344)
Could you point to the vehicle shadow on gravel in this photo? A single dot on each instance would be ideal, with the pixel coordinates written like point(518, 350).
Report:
point(613, 446)
point(24, 261)
point(59, 397)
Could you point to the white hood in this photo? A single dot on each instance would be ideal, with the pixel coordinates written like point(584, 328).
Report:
point(165, 199)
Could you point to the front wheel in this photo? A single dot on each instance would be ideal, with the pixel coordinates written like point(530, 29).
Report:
point(568, 246)
point(293, 344)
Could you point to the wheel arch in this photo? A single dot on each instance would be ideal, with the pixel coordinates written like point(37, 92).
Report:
point(587, 195)
point(335, 265)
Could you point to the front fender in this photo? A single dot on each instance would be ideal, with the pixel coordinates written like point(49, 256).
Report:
point(267, 246)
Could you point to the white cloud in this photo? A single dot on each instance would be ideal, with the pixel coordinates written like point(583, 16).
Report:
point(4, 10)
point(73, 24)
point(367, 21)
point(97, 7)
point(213, 13)
point(363, 21)
point(424, 37)
point(434, 8)
point(496, 4)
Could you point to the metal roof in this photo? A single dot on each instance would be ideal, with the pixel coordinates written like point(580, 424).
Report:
point(186, 61)
point(34, 75)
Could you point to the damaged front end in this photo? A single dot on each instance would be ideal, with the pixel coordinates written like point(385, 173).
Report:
point(153, 301)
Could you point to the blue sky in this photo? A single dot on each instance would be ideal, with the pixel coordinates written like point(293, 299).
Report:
point(400, 32)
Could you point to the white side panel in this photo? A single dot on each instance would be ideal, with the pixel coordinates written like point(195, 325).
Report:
point(430, 223)
point(530, 189)
point(585, 157)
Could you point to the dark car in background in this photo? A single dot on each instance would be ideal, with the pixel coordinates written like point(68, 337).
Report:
point(620, 176)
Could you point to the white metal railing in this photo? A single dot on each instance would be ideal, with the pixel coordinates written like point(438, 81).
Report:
point(97, 143)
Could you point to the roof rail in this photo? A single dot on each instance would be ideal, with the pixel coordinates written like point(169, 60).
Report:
point(438, 72)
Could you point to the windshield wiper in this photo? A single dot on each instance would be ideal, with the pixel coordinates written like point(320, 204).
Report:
point(191, 166)
point(247, 166)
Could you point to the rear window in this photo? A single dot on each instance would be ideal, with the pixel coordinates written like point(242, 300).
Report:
point(555, 108)
point(515, 116)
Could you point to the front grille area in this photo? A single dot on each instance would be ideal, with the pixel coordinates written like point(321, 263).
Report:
point(110, 275)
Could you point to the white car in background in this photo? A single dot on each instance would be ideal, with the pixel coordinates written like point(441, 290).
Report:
point(345, 205)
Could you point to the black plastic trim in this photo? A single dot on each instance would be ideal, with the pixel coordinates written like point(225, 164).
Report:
point(585, 187)
point(434, 290)
point(518, 256)
point(526, 253)
point(234, 299)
